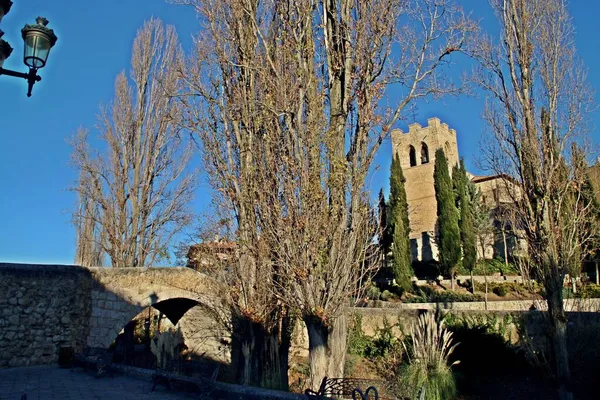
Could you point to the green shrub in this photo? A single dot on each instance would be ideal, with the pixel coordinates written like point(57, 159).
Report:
point(591, 291)
point(386, 295)
point(431, 345)
point(426, 294)
point(372, 291)
point(383, 342)
point(507, 287)
point(500, 290)
point(491, 267)
point(357, 341)
point(380, 345)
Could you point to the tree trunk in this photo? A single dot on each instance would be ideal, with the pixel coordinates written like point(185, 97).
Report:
point(597, 277)
point(326, 349)
point(318, 337)
point(485, 298)
point(260, 358)
point(472, 283)
point(337, 343)
point(558, 320)
point(452, 281)
point(505, 248)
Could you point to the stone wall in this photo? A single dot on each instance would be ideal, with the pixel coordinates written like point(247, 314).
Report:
point(571, 305)
point(403, 315)
point(461, 279)
point(45, 307)
point(205, 334)
point(41, 309)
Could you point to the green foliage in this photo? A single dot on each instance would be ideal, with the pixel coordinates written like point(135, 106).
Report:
point(590, 291)
point(372, 291)
point(426, 294)
point(399, 228)
point(500, 291)
point(431, 346)
point(372, 347)
point(449, 242)
point(465, 192)
point(383, 343)
point(437, 384)
point(357, 340)
point(491, 267)
point(386, 295)
point(483, 226)
point(503, 288)
point(491, 324)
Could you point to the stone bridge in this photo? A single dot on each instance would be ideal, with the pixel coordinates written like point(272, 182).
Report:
point(44, 307)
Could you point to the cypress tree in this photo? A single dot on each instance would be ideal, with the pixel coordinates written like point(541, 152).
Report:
point(465, 192)
point(401, 263)
point(385, 237)
point(448, 233)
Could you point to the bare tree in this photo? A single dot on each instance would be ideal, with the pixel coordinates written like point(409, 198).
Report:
point(536, 110)
point(89, 247)
point(286, 100)
point(135, 191)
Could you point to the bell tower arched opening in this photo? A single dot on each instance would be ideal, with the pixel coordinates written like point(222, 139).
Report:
point(424, 153)
point(412, 156)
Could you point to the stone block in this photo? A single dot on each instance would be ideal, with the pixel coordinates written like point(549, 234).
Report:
point(25, 300)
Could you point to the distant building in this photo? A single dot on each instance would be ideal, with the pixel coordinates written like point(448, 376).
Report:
point(210, 255)
point(416, 151)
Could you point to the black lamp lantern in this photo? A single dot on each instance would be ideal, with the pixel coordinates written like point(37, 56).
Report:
point(4, 7)
point(39, 39)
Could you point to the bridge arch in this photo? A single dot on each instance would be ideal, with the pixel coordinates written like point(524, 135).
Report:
point(118, 295)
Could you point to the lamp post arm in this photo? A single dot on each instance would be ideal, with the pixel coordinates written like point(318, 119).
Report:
point(13, 73)
point(31, 76)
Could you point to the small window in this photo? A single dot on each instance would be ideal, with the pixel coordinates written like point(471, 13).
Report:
point(424, 154)
point(412, 155)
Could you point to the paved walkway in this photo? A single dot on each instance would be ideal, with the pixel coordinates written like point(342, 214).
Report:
point(53, 383)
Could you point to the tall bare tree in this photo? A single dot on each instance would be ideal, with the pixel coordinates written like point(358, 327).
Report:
point(286, 100)
point(88, 252)
point(135, 191)
point(537, 109)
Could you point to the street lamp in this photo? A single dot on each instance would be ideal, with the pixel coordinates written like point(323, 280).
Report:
point(39, 39)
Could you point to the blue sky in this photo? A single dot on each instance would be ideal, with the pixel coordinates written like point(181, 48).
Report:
point(94, 45)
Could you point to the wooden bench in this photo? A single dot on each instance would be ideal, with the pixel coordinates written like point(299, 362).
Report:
point(352, 388)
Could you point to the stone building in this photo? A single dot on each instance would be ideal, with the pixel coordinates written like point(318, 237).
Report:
point(210, 255)
point(416, 151)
